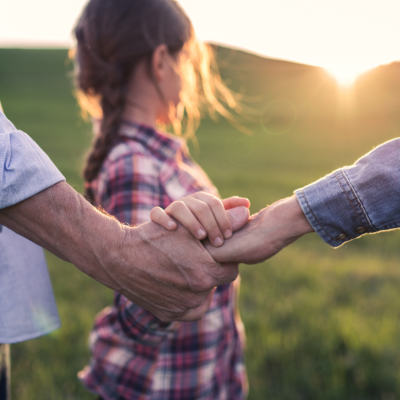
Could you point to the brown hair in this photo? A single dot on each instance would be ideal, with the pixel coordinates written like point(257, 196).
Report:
point(112, 37)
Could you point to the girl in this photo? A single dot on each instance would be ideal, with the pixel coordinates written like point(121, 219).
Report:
point(138, 64)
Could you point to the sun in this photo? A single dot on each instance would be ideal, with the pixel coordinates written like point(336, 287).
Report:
point(346, 75)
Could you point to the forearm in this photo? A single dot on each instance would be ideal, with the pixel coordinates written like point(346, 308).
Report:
point(356, 200)
point(169, 274)
point(340, 207)
point(63, 222)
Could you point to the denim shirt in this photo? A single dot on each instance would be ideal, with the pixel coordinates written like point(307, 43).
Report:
point(355, 200)
point(27, 305)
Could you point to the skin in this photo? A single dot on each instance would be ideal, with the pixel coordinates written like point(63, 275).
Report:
point(153, 97)
point(168, 273)
point(266, 233)
point(202, 214)
point(144, 103)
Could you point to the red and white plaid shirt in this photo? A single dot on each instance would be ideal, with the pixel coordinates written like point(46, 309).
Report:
point(134, 355)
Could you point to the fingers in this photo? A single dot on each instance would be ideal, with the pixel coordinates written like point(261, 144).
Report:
point(252, 244)
point(183, 212)
point(205, 215)
point(227, 273)
point(235, 201)
point(160, 217)
point(218, 215)
point(238, 216)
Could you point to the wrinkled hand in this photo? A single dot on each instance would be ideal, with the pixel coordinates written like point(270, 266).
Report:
point(174, 274)
point(170, 274)
point(266, 233)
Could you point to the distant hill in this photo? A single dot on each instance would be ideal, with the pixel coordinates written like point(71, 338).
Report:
point(281, 87)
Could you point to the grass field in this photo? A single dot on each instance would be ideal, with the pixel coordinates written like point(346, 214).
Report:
point(321, 323)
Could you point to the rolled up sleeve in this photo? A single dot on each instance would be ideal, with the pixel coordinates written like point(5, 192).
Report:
point(25, 169)
point(355, 200)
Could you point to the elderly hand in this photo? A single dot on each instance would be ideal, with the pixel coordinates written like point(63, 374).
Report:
point(266, 233)
point(174, 274)
point(168, 273)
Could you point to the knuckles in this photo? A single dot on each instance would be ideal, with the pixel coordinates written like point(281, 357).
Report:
point(201, 282)
point(155, 212)
point(177, 206)
point(227, 273)
point(214, 202)
point(193, 301)
point(200, 208)
point(203, 285)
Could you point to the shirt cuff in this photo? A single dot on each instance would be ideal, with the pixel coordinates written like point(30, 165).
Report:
point(333, 209)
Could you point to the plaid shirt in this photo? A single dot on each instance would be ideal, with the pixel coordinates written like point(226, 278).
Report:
point(135, 355)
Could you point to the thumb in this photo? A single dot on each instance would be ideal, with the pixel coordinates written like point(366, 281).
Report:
point(238, 217)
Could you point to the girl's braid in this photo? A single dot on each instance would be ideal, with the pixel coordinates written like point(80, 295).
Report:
point(113, 97)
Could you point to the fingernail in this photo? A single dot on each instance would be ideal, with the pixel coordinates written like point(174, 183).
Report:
point(171, 224)
point(239, 213)
point(200, 233)
point(227, 234)
point(218, 241)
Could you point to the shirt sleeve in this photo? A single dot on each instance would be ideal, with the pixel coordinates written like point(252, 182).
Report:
point(25, 169)
point(355, 200)
point(131, 189)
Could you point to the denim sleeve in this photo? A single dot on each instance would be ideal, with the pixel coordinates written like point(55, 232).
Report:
point(352, 201)
point(25, 169)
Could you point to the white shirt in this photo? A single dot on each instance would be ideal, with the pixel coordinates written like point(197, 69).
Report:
point(27, 305)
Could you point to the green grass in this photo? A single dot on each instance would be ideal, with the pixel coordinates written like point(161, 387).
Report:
point(321, 323)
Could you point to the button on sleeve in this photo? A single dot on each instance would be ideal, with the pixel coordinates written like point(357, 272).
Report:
point(351, 201)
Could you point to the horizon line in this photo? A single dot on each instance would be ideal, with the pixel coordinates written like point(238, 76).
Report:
point(63, 45)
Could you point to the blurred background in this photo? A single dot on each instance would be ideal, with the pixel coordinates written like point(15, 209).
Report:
point(321, 323)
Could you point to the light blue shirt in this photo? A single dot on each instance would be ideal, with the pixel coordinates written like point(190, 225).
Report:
point(355, 200)
point(25, 169)
point(27, 305)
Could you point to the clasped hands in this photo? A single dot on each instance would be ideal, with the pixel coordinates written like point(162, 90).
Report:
point(217, 249)
point(170, 266)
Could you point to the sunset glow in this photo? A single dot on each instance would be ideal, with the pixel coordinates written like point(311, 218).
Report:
point(358, 35)
point(346, 75)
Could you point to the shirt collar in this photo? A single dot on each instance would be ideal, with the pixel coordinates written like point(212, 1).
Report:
point(161, 143)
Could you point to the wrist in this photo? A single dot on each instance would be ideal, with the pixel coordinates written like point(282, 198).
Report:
point(116, 248)
point(101, 252)
point(289, 221)
point(300, 222)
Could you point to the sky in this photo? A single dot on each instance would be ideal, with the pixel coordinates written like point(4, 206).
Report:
point(345, 36)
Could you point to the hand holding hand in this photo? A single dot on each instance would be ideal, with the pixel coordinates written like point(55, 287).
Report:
point(199, 273)
point(204, 215)
point(266, 233)
point(170, 274)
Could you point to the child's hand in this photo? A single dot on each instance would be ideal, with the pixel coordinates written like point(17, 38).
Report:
point(202, 214)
